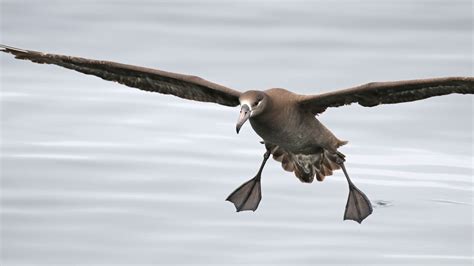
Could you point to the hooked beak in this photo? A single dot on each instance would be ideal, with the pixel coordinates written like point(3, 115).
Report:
point(244, 116)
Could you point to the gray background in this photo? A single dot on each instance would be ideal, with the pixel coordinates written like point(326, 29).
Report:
point(93, 172)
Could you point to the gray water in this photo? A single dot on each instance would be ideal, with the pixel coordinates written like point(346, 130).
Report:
point(93, 172)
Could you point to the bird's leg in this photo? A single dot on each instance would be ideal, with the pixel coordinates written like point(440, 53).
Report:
point(248, 195)
point(358, 206)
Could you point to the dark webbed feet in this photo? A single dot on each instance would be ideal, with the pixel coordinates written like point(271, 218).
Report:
point(248, 195)
point(358, 206)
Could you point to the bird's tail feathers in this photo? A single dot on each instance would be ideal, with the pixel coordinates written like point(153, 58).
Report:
point(307, 166)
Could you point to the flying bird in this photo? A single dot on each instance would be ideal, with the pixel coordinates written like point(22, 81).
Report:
point(286, 121)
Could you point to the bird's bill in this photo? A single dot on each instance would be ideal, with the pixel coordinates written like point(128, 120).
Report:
point(243, 117)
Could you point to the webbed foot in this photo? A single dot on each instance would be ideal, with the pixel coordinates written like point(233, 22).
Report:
point(247, 196)
point(358, 206)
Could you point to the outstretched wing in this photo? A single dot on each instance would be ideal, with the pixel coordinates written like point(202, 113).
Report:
point(184, 86)
point(376, 93)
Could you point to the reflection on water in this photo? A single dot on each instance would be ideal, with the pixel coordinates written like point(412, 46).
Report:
point(97, 173)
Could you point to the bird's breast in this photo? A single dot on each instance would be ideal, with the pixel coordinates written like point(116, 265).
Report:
point(288, 130)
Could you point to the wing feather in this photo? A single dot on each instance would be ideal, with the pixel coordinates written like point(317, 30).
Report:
point(153, 80)
point(376, 93)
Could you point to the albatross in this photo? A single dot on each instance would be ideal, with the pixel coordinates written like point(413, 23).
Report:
point(286, 121)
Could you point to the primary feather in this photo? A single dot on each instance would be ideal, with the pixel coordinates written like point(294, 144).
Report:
point(153, 80)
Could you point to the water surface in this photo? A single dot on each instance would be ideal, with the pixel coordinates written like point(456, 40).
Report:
point(93, 172)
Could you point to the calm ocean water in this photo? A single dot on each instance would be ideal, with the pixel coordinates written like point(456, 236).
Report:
point(93, 172)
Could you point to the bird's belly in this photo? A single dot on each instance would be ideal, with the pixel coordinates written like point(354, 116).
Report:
point(292, 137)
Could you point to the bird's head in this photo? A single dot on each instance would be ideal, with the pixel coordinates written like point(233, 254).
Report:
point(253, 103)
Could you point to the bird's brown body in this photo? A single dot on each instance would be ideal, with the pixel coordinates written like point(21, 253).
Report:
point(286, 121)
point(286, 124)
point(294, 136)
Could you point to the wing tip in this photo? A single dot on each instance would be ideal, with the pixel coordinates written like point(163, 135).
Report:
point(4, 47)
point(12, 50)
